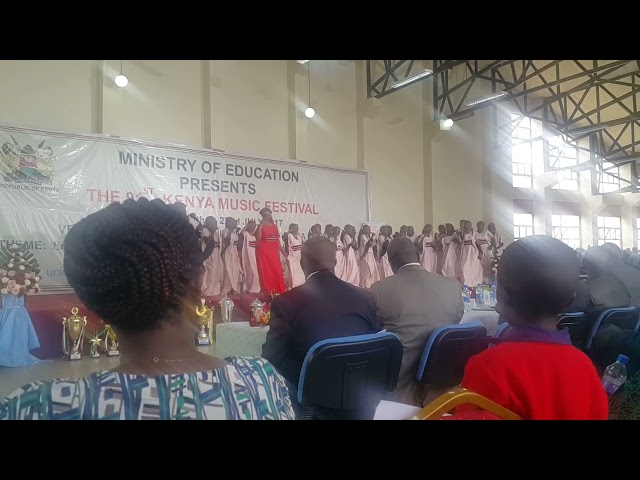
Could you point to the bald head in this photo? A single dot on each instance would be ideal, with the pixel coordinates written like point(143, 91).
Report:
point(400, 252)
point(596, 260)
point(318, 253)
point(615, 253)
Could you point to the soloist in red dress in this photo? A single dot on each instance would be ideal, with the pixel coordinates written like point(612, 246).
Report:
point(268, 259)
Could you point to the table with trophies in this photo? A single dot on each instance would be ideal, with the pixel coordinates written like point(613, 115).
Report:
point(242, 339)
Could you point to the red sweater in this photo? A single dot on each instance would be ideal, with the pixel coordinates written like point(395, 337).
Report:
point(538, 381)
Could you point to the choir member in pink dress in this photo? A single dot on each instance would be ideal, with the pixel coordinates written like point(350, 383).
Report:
point(383, 243)
point(439, 248)
point(470, 266)
point(368, 268)
point(350, 249)
point(428, 257)
point(316, 231)
point(340, 257)
point(249, 262)
point(213, 266)
point(231, 257)
point(411, 233)
point(483, 242)
point(294, 250)
point(450, 259)
point(328, 231)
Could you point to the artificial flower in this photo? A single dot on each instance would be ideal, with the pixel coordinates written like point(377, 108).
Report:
point(2, 273)
point(21, 268)
point(16, 290)
point(4, 291)
point(37, 279)
point(35, 285)
point(11, 283)
point(5, 280)
point(22, 260)
point(27, 283)
point(10, 265)
point(12, 273)
point(27, 275)
point(32, 291)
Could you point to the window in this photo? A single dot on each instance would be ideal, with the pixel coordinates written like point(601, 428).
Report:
point(567, 229)
point(605, 178)
point(522, 225)
point(637, 230)
point(563, 153)
point(609, 230)
point(526, 148)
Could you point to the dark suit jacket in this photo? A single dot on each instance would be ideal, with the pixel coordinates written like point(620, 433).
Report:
point(323, 307)
point(412, 304)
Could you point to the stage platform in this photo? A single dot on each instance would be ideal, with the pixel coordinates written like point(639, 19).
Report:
point(47, 311)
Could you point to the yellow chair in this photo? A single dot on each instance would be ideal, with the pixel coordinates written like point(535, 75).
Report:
point(448, 401)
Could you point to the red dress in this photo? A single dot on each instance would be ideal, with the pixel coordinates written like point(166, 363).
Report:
point(268, 259)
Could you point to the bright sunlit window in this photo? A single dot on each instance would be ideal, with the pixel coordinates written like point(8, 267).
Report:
point(607, 177)
point(522, 225)
point(563, 153)
point(609, 230)
point(567, 229)
point(526, 149)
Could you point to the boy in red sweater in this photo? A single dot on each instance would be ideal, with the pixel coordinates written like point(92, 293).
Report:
point(536, 372)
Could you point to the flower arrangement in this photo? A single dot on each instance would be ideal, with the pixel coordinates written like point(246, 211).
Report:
point(19, 271)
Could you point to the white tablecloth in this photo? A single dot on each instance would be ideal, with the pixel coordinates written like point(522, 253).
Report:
point(488, 317)
point(238, 339)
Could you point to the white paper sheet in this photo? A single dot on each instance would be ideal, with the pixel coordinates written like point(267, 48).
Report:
point(394, 411)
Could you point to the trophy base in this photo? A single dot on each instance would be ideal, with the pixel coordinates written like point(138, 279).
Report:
point(95, 355)
point(75, 356)
point(203, 341)
point(113, 353)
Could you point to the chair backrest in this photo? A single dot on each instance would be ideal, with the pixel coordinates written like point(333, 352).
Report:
point(342, 373)
point(626, 318)
point(459, 396)
point(447, 351)
point(501, 330)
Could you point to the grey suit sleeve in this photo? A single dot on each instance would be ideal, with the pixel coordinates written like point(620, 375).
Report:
point(279, 335)
point(376, 298)
point(459, 310)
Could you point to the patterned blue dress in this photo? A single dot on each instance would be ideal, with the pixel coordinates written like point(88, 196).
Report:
point(247, 388)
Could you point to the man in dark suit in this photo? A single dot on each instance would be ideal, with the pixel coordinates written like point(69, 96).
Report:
point(323, 307)
point(412, 304)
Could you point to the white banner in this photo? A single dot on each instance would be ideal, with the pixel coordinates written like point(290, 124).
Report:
point(50, 180)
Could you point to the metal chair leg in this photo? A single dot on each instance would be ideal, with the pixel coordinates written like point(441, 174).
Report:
point(308, 413)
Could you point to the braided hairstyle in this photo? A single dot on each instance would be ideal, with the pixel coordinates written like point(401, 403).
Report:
point(135, 264)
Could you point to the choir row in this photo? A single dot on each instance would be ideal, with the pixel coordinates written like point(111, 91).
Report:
point(361, 259)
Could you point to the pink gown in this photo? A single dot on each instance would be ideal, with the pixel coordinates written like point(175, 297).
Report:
point(484, 243)
point(232, 270)
point(293, 260)
point(385, 266)
point(250, 264)
point(470, 267)
point(340, 259)
point(213, 267)
point(351, 269)
point(368, 267)
point(429, 259)
point(450, 261)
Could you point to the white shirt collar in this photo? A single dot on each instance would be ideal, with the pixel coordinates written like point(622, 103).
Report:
point(312, 274)
point(408, 265)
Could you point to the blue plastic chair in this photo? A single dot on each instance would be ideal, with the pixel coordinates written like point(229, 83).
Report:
point(626, 318)
point(446, 353)
point(347, 377)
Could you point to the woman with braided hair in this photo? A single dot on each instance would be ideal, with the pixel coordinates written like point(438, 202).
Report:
point(139, 266)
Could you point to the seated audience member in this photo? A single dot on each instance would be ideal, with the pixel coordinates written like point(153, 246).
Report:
point(634, 259)
point(625, 274)
point(139, 266)
point(412, 304)
point(610, 342)
point(323, 307)
point(535, 371)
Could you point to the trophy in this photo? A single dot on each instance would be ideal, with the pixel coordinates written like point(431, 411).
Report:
point(96, 342)
point(226, 308)
point(73, 335)
point(257, 310)
point(205, 322)
point(111, 342)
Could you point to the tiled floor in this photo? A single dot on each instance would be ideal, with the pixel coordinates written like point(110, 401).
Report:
point(13, 378)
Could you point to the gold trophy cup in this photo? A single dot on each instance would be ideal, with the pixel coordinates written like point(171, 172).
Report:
point(111, 342)
point(205, 322)
point(73, 335)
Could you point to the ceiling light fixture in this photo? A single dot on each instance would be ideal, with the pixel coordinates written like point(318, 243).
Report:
point(302, 62)
point(486, 98)
point(425, 73)
point(309, 112)
point(121, 80)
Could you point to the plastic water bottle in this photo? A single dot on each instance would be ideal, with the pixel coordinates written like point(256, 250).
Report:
point(615, 375)
point(493, 295)
point(479, 296)
point(466, 298)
